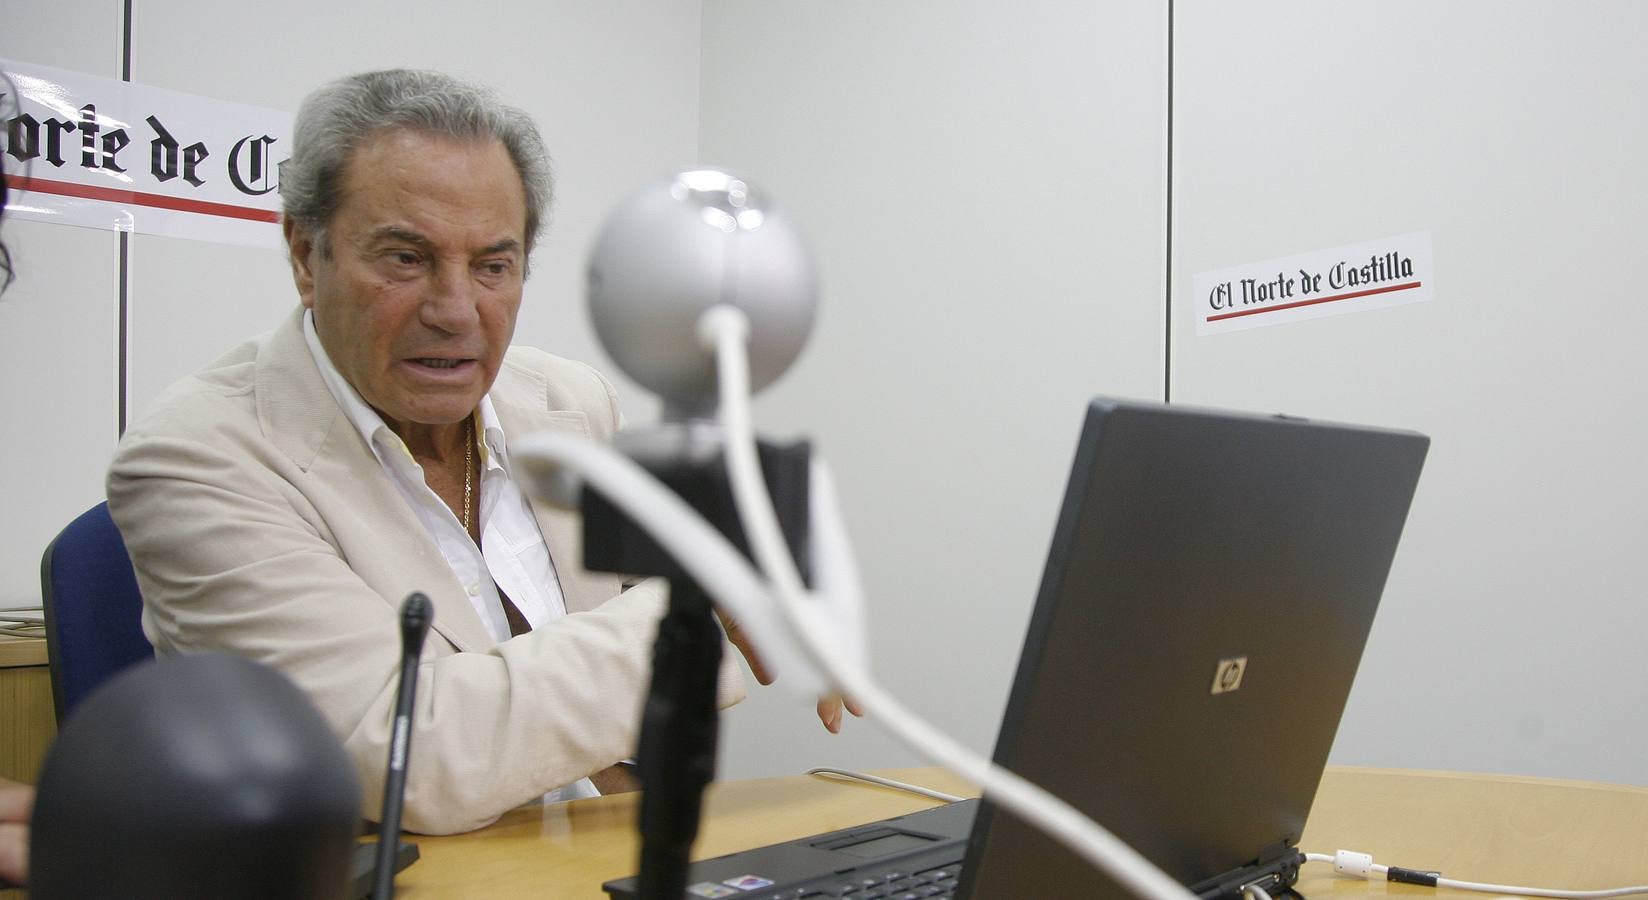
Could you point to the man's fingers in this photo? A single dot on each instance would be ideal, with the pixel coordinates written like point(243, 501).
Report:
point(829, 712)
point(14, 852)
point(740, 640)
point(16, 801)
point(615, 779)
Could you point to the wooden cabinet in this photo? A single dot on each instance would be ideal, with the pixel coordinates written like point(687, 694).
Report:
point(27, 720)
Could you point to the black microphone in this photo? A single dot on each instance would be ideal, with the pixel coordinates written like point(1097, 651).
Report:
point(416, 614)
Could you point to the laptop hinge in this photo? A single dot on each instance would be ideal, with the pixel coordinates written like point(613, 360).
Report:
point(1276, 873)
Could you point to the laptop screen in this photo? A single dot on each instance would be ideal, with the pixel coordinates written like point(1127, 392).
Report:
point(1210, 587)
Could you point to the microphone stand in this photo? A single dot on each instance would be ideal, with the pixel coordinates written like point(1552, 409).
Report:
point(417, 613)
point(680, 723)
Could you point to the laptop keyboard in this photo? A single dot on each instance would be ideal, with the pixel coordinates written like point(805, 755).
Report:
point(938, 883)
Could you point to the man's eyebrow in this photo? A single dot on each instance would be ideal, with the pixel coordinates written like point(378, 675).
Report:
point(397, 233)
point(392, 233)
point(502, 246)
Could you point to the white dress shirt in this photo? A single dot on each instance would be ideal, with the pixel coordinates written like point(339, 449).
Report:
point(512, 555)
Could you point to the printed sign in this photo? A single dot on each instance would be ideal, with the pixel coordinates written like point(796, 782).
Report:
point(1357, 277)
point(100, 153)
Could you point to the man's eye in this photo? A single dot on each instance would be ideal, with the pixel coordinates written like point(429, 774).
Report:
point(404, 258)
point(495, 267)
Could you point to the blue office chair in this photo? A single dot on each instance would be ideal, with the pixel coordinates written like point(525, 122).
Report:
point(93, 608)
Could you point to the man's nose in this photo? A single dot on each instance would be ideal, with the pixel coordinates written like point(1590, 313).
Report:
point(450, 305)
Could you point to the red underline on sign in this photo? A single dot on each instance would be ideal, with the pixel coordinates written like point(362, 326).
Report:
point(1367, 293)
point(158, 201)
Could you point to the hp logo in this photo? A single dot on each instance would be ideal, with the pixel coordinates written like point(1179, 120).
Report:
point(1228, 677)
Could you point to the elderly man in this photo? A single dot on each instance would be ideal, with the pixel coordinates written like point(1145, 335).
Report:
point(282, 502)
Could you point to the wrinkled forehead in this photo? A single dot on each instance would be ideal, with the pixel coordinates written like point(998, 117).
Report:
point(397, 177)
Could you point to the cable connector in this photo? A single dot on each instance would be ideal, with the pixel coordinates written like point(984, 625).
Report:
point(1352, 864)
point(1412, 876)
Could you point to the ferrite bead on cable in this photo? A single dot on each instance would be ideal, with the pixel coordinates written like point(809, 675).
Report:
point(1353, 864)
point(1412, 876)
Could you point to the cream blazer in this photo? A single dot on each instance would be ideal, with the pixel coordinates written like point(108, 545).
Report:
point(260, 523)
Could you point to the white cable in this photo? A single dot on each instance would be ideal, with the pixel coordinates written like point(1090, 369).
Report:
point(23, 621)
point(1353, 864)
point(703, 552)
point(724, 330)
point(1255, 892)
point(723, 572)
point(1540, 892)
point(885, 782)
point(720, 570)
point(1052, 815)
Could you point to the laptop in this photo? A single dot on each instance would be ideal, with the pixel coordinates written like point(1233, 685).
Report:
point(1209, 590)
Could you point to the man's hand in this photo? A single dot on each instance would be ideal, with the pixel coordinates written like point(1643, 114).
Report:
point(741, 640)
point(829, 711)
point(615, 779)
point(829, 708)
point(16, 803)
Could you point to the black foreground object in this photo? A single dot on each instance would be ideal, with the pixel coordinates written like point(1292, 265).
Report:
point(205, 776)
point(680, 725)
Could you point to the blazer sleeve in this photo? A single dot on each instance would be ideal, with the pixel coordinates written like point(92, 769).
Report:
point(232, 556)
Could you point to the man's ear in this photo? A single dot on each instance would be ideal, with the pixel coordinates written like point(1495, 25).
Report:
point(300, 247)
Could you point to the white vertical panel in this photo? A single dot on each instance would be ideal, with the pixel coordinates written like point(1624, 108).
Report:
point(84, 35)
point(1513, 132)
point(57, 324)
point(983, 186)
point(57, 337)
point(614, 87)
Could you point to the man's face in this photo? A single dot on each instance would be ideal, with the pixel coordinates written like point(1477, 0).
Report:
point(417, 302)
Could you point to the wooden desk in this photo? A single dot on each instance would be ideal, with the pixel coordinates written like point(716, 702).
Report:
point(1507, 830)
point(27, 720)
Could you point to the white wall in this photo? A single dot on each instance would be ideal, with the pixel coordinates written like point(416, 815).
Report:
point(1509, 636)
point(983, 192)
point(982, 188)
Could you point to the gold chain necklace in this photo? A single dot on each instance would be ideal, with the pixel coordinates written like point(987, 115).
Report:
point(469, 468)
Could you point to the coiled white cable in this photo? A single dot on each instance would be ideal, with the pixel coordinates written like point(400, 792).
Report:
point(712, 561)
point(23, 621)
point(726, 329)
point(726, 575)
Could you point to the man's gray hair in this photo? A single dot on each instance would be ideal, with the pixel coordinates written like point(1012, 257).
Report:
point(336, 119)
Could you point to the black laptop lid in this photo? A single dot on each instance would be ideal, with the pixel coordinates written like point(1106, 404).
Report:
point(1190, 539)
